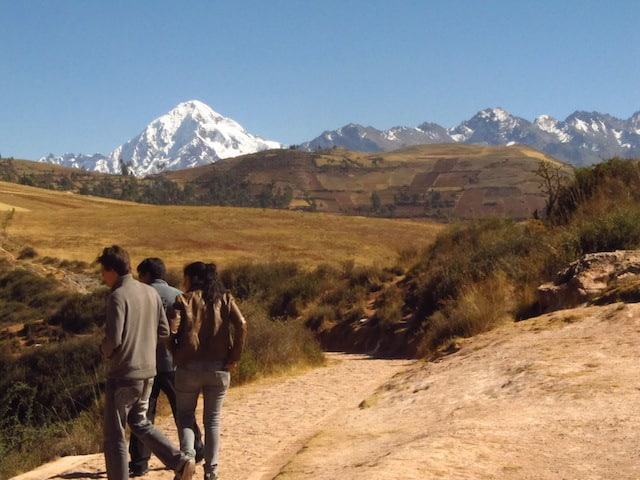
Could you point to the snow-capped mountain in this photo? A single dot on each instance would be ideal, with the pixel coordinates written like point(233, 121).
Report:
point(368, 139)
point(191, 134)
point(95, 162)
point(583, 138)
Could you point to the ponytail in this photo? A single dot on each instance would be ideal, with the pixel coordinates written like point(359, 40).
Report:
point(204, 276)
point(212, 288)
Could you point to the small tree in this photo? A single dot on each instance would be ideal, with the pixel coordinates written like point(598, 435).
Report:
point(375, 202)
point(125, 168)
point(551, 182)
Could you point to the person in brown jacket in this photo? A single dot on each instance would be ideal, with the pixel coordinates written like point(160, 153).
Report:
point(208, 333)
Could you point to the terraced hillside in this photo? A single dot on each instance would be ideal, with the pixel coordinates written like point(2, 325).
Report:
point(443, 182)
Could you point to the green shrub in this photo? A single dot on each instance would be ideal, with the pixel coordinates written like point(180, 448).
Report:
point(12, 313)
point(320, 315)
point(274, 347)
point(27, 253)
point(30, 447)
point(478, 308)
point(616, 229)
point(81, 313)
point(283, 287)
point(32, 290)
point(389, 308)
point(258, 281)
point(74, 265)
point(43, 390)
point(596, 188)
point(54, 382)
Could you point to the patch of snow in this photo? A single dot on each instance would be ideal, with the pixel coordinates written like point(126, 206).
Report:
point(580, 125)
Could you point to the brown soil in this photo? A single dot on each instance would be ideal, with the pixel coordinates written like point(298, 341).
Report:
point(554, 397)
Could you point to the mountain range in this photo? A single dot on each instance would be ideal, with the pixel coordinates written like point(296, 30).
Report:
point(583, 138)
point(192, 134)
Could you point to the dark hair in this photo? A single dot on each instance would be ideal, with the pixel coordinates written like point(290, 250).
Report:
point(115, 258)
point(204, 276)
point(153, 266)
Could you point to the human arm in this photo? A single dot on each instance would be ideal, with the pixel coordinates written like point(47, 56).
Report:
point(239, 333)
point(163, 324)
point(174, 317)
point(114, 326)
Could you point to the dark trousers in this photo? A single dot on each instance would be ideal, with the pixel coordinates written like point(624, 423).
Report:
point(139, 452)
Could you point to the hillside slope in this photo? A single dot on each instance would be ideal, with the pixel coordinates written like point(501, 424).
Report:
point(438, 181)
point(551, 397)
point(441, 181)
point(69, 226)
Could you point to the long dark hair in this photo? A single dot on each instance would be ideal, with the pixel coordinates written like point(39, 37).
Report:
point(204, 276)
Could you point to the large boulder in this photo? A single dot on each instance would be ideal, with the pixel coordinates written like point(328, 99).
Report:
point(585, 278)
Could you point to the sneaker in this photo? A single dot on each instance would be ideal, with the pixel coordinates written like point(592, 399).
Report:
point(137, 472)
point(210, 476)
point(187, 470)
point(199, 454)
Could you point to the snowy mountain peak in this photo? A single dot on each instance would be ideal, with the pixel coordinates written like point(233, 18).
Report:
point(189, 135)
point(495, 114)
point(197, 111)
point(583, 138)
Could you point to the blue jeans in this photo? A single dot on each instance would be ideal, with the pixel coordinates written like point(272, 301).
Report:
point(213, 382)
point(126, 402)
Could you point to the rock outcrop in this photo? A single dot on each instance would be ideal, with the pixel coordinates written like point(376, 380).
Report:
point(587, 277)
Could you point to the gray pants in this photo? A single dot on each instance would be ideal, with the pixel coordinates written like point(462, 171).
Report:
point(126, 402)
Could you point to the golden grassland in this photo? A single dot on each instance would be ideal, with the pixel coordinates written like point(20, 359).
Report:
point(69, 226)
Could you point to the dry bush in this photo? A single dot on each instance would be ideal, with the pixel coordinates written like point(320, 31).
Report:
point(26, 296)
point(27, 253)
point(274, 347)
point(43, 393)
point(479, 271)
point(622, 290)
point(81, 313)
point(389, 307)
point(479, 307)
point(319, 316)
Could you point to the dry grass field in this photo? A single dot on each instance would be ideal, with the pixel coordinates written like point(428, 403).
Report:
point(74, 227)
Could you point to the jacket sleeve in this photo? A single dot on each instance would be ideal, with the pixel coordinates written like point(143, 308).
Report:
point(163, 324)
point(174, 320)
point(239, 330)
point(114, 326)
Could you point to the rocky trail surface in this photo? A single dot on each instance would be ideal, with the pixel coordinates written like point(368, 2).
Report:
point(555, 397)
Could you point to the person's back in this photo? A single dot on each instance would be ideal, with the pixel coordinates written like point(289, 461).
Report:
point(135, 322)
point(131, 339)
point(205, 353)
point(168, 294)
point(152, 272)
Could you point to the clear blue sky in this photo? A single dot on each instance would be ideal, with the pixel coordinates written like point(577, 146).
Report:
point(85, 76)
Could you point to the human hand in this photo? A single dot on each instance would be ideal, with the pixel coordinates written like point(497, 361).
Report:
point(230, 366)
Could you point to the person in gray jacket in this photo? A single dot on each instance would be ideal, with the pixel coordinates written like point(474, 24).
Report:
point(153, 272)
point(135, 321)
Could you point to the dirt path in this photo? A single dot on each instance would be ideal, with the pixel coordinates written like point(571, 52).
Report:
point(555, 397)
point(265, 423)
